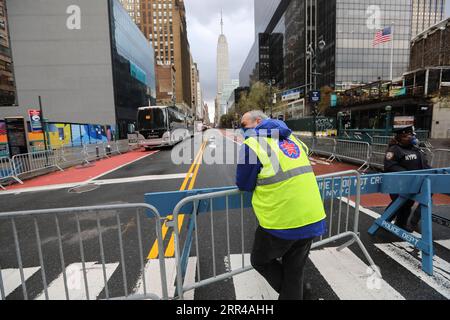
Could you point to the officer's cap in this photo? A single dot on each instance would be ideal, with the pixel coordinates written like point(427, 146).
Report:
point(405, 130)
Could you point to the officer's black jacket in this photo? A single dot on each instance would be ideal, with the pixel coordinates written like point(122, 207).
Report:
point(400, 158)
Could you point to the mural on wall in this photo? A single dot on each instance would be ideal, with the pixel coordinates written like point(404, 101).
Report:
point(4, 151)
point(62, 134)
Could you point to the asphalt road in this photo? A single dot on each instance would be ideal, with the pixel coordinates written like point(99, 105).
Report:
point(207, 175)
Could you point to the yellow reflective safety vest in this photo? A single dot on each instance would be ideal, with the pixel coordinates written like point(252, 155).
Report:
point(287, 195)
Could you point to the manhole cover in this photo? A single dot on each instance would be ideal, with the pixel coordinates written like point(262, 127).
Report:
point(84, 188)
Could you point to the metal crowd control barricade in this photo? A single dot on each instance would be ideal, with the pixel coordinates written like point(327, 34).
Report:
point(325, 147)
point(418, 186)
point(69, 156)
point(98, 233)
point(441, 158)
point(227, 206)
point(378, 155)
point(7, 171)
point(382, 140)
point(94, 152)
point(33, 162)
point(354, 151)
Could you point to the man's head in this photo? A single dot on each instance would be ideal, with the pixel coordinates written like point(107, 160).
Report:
point(252, 119)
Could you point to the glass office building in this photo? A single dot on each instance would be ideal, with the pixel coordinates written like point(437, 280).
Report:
point(358, 61)
point(348, 28)
point(133, 67)
point(98, 66)
point(426, 13)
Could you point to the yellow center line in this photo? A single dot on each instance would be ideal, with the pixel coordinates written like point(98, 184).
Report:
point(154, 250)
point(170, 251)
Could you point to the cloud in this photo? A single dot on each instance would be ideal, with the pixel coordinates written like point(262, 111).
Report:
point(203, 24)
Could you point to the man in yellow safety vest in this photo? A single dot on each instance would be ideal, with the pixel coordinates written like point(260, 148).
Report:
point(274, 165)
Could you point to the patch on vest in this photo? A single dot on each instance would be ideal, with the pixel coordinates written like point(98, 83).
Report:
point(290, 149)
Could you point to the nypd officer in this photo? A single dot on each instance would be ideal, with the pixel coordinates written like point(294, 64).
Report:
point(274, 165)
point(404, 154)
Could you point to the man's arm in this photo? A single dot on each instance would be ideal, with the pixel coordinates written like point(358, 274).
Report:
point(248, 169)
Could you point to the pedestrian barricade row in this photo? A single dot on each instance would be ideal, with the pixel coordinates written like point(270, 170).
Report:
point(99, 237)
point(368, 155)
point(60, 158)
point(7, 171)
point(30, 163)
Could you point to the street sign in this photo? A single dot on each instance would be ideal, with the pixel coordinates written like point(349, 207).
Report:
point(291, 95)
point(35, 120)
point(314, 96)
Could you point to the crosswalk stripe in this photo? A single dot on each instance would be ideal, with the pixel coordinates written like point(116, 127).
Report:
point(250, 285)
point(349, 277)
point(444, 243)
point(75, 282)
point(11, 278)
point(153, 277)
point(401, 253)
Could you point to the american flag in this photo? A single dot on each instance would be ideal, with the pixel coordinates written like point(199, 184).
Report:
point(382, 36)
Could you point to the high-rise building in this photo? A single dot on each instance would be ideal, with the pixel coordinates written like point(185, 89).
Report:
point(7, 84)
point(194, 80)
point(134, 9)
point(227, 91)
point(342, 39)
point(164, 24)
point(165, 84)
point(223, 63)
point(96, 72)
point(426, 13)
point(223, 69)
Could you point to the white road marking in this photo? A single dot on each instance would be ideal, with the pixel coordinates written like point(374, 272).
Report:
point(348, 276)
point(99, 183)
point(250, 285)
point(124, 165)
point(153, 278)
point(75, 282)
point(444, 243)
point(11, 278)
point(189, 279)
point(140, 179)
point(400, 252)
point(68, 185)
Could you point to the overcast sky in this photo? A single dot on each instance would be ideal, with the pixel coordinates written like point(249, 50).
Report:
point(203, 20)
point(203, 23)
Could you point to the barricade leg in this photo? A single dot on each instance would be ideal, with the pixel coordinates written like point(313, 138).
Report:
point(427, 229)
point(389, 213)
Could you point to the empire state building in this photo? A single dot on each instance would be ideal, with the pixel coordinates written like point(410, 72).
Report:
point(223, 68)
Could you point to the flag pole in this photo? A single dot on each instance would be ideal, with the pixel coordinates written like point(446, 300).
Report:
point(392, 53)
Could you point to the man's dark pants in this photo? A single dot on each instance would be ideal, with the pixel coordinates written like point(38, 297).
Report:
point(285, 276)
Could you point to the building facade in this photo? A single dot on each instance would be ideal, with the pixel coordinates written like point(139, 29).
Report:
point(346, 29)
point(165, 84)
point(8, 95)
point(95, 67)
point(426, 13)
point(133, 8)
point(163, 22)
